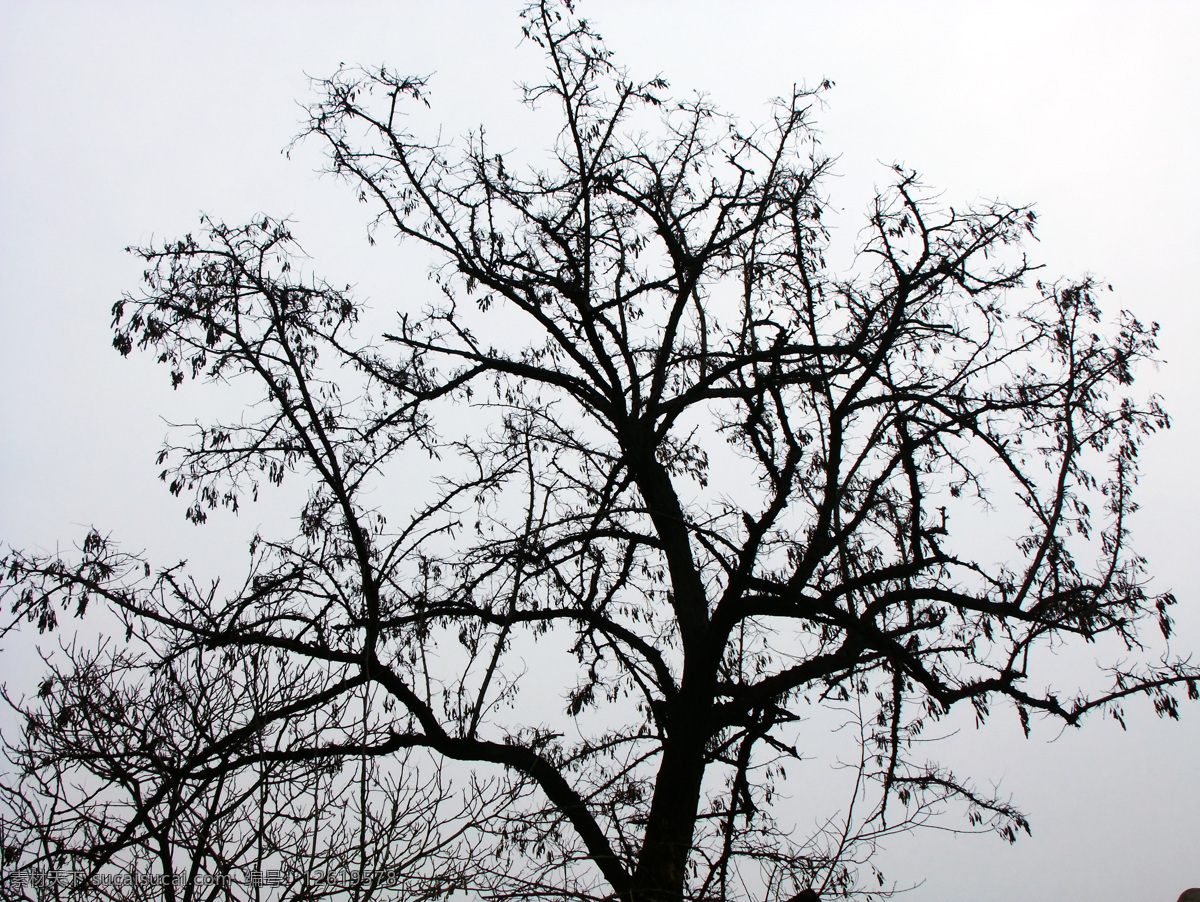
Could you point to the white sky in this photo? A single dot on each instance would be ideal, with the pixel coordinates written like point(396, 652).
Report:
point(120, 121)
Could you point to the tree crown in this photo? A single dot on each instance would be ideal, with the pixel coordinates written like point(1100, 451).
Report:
point(667, 457)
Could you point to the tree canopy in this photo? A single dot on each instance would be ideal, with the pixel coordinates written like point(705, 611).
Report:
point(602, 526)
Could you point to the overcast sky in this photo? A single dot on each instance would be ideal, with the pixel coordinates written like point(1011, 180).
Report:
point(121, 121)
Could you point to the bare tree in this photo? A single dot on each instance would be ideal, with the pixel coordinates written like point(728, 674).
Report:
point(142, 762)
point(680, 486)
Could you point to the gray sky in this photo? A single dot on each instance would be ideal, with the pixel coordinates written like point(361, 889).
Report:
point(121, 121)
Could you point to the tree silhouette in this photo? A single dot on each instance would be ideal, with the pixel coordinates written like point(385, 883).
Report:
point(604, 532)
